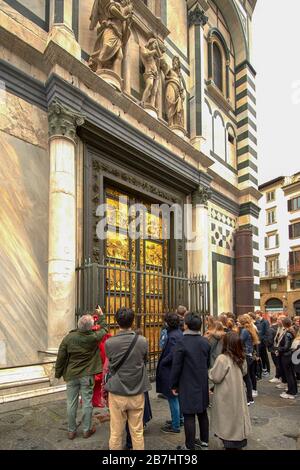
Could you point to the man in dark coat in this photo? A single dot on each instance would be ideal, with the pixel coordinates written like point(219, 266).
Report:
point(189, 380)
point(163, 373)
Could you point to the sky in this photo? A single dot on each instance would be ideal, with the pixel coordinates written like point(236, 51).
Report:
point(276, 60)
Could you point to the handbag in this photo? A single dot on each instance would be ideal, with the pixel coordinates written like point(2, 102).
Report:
point(111, 373)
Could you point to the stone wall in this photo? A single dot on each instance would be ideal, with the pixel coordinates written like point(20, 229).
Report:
point(24, 175)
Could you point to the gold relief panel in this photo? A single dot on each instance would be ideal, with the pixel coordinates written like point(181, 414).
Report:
point(117, 213)
point(117, 246)
point(154, 254)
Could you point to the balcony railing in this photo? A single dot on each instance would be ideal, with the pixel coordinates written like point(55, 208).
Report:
point(273, 273)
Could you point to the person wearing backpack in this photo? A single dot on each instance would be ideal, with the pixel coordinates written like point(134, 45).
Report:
point(127, 354)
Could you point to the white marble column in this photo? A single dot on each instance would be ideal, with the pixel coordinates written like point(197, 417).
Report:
point(197, 20)
point(199, 254)
point(62, 223)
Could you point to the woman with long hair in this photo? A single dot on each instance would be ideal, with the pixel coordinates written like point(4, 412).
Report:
point(230, 418)
point(250, 341)
point(209, 325)
point(285, 354)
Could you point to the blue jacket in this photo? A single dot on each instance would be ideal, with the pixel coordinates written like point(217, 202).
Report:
point(263, 329)
point(247, 341)
point(164, 366)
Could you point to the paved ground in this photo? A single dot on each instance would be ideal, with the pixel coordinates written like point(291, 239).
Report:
point(276, 426)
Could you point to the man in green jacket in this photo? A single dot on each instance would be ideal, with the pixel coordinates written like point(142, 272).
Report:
point(77, 362)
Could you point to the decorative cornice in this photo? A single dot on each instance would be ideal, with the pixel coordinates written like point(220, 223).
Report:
point(249, 208)
point(63, 121)
point(197, 17)
point(201, 196)
point(133, 180)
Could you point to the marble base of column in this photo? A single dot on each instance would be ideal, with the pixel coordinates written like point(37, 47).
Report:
point(151, 110)
point(179, 130)
point(112, 78)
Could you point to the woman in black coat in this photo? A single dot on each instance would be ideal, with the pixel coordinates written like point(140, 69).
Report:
point(285, 355)
point(163, 372)
point(189, 379)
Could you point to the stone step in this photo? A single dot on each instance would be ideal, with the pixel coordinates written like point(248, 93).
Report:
point(28, 398)
point(10, 388)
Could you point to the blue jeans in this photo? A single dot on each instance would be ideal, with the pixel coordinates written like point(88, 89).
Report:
point(85, 385)
point(175, 412)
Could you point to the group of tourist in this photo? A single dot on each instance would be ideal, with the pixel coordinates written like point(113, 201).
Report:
point(218, 369)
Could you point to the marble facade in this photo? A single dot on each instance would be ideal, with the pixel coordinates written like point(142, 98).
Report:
point(42, 177)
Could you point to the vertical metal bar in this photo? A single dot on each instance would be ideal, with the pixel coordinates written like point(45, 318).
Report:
point(115, 290)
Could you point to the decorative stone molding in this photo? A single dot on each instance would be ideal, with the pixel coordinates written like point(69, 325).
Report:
point(201, 196)
point(63, 121)
point(129, 178)
point(197, 17)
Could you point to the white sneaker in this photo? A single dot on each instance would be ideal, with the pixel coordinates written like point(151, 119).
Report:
point(286, 395)
point(281, 386)
point(250, 403)
point(275, 381)
point(254, 393)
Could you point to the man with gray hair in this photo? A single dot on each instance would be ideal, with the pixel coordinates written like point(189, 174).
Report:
point(77, 362)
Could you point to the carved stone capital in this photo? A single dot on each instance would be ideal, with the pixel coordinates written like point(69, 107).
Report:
point(197, 17)
point(63, 121)
point(201, 196)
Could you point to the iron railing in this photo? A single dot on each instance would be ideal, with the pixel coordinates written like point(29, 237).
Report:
point(273, 273)
point(150, 293)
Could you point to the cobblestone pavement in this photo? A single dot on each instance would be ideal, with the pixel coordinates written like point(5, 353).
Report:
point(276, 426)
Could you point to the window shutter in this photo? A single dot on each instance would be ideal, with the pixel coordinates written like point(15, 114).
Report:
point(277, 240)
point(291, 257)
point(266, 242)
point(290, 232)
point(290, 205)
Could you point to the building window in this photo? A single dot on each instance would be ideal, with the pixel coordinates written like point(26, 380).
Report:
point(294, 231)
point(231, 150)
point(272, 265)
point(270, 196)
point(271, 216)
point(218, 66)
point(272, 241)
point(295, 283)
point(294, 204)
point(273, 286)
point(294, 259)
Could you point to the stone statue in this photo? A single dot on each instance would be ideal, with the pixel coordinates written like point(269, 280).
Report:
point(114, 18)
point(175, 94)
point(151, 55)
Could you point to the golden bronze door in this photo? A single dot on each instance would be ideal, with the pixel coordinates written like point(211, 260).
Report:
point(136, 254)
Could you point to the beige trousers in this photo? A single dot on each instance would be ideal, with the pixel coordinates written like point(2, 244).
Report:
point(124, 409)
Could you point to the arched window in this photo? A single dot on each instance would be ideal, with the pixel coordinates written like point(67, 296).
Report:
point(274, 305)
point(297, 307)
point(218, 66)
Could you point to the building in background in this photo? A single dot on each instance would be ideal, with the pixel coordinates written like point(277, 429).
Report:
point(153, 101)
point(280, 237)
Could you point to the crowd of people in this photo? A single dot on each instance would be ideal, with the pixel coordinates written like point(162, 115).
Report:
point(218, 369)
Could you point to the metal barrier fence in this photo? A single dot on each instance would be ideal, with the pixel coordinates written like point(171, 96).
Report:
point(150, 293)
